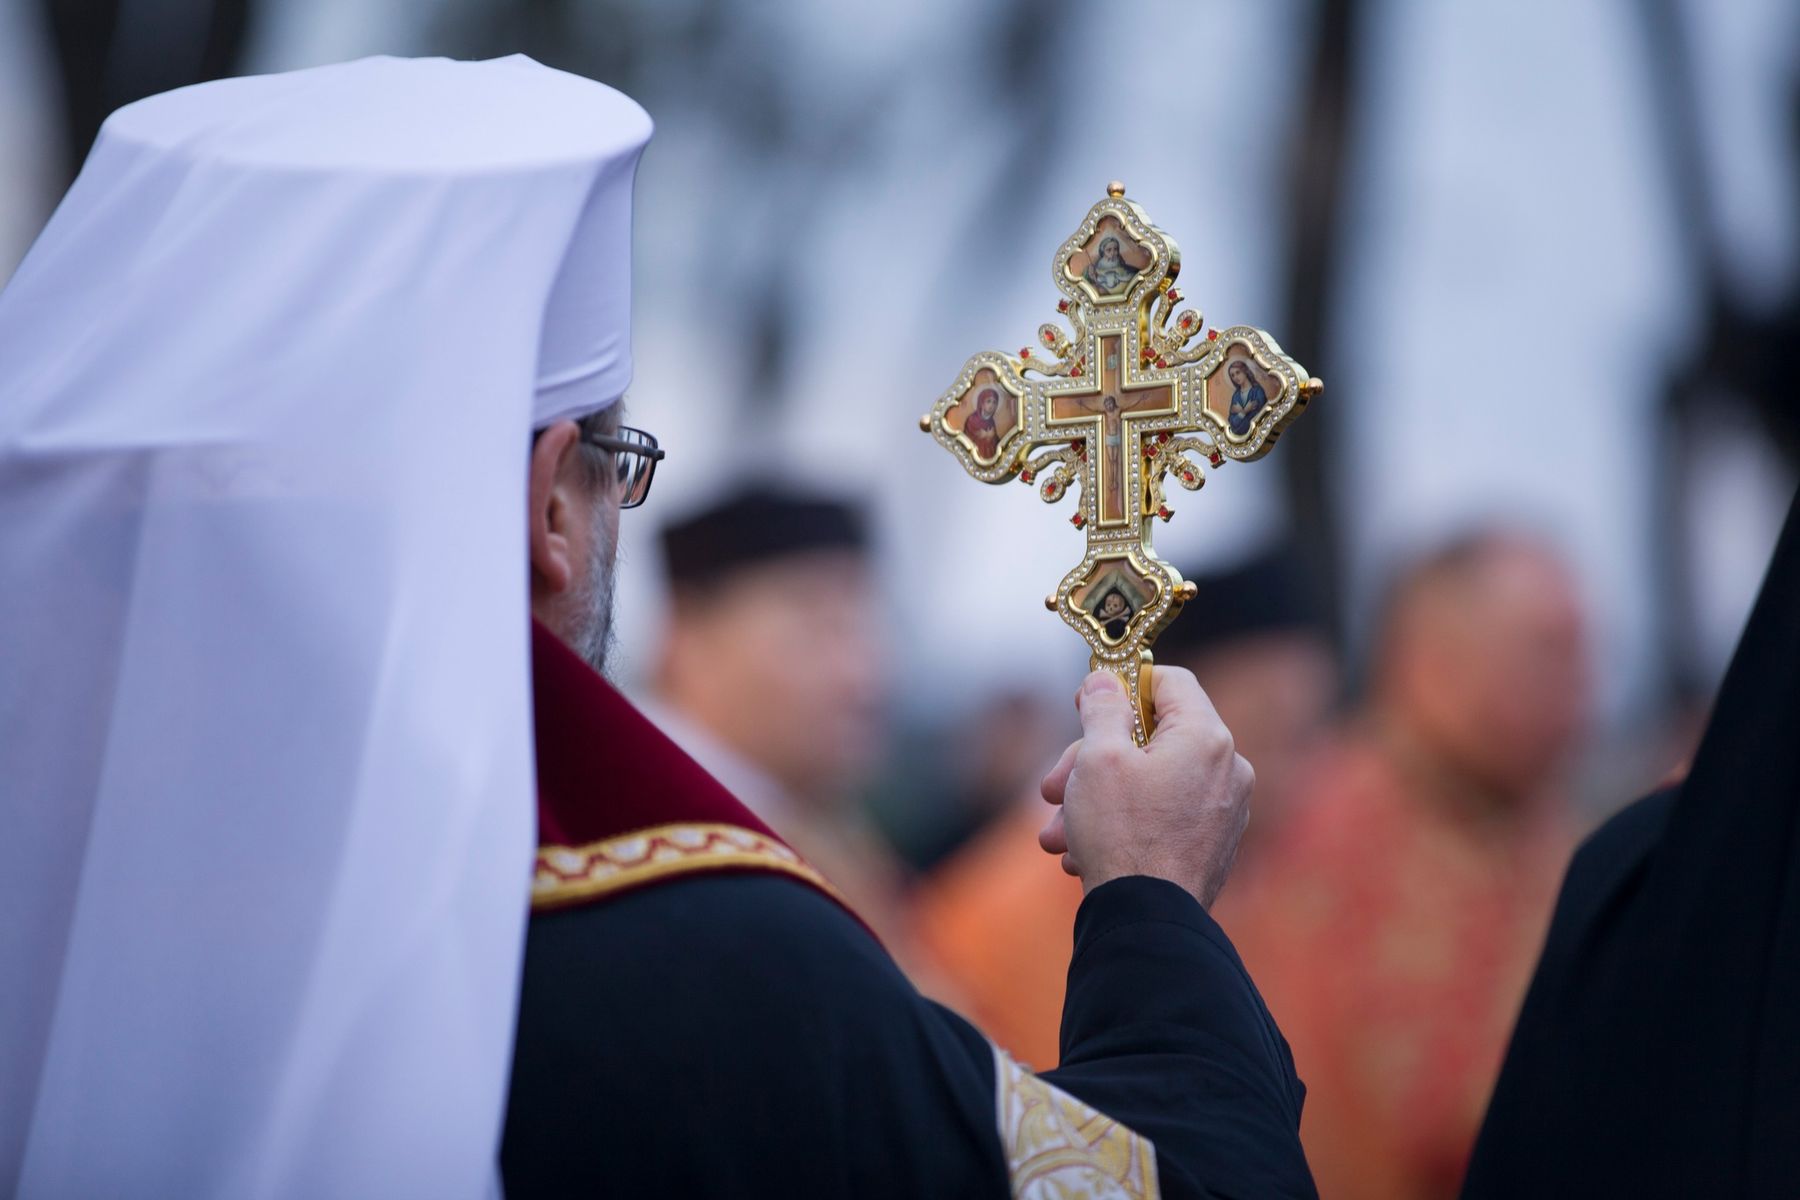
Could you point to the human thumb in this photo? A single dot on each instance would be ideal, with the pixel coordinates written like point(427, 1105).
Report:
point(1105, 710)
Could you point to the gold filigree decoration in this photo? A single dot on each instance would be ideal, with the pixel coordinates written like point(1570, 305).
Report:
point(573, 874)
point(1058, 1148)
point(1166, 454)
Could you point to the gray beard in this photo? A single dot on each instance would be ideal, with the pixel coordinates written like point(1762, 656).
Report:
point(594, 637)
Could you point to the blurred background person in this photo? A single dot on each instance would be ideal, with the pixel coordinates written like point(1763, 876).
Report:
point(773, 673)
point(995, 917)
point(1394, 920)
point(1258, 637)
point(947, 782)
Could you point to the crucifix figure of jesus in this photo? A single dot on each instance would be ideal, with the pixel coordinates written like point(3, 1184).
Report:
point(1108, 409)
point(1130, 396)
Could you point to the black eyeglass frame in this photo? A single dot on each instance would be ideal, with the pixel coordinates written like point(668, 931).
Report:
point(646, 450)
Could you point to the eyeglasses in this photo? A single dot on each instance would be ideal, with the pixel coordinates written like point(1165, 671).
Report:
point(635, 456)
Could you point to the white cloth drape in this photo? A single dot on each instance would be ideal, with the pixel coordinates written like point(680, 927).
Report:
point(267, 381)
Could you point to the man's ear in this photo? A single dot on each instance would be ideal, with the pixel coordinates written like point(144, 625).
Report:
point(555, 477)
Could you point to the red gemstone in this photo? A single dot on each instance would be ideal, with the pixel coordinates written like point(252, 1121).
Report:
point(1062, 306)
point(1149, 451)
point(1174, 296)
point(1212, 335)
point(1164, 513)
point(1027, 476)
point(1216, 458)
point(1078, 520)
point(1187, 322)
point(1162, 363)
point(1024, 351)
point(1163, 436)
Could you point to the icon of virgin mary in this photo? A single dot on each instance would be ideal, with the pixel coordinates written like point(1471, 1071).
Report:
point(979, 427)
point(1247, 398)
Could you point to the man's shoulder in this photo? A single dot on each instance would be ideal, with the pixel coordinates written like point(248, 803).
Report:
point(726, 915)
point(739, 1032)
point(756, 950)
point(1629, 834)
point(1611, 859)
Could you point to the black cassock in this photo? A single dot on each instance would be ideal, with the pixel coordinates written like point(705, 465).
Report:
point(740, 1034)
point(1658, 1051)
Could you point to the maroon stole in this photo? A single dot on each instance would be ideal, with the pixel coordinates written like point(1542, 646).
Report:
point(620, 806)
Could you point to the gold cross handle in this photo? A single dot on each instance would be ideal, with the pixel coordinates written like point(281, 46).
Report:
point(1131, 396)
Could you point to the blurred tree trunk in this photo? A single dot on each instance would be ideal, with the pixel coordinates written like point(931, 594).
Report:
point(109, 53)
point(1318, 190)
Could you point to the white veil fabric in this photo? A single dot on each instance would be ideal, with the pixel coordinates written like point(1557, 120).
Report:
point(267, 382)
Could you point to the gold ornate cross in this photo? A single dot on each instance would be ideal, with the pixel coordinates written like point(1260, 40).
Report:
point(1130, 396)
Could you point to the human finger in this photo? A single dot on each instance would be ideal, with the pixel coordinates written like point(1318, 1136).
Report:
point(1057, 781)
point(1243, 777)
point(1106, 716)
point(1178, 697)
point(1053, 837)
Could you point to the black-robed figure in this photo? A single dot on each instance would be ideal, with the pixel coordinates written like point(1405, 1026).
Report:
point(1658, 1051)
point(700, 1016)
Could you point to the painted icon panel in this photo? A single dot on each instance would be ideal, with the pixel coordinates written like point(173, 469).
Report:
point(1112, 598)
point(1110, 261)
point(984, 417)
point(1240, 390)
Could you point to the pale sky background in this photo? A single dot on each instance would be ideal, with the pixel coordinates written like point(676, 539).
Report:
point(1514, 278)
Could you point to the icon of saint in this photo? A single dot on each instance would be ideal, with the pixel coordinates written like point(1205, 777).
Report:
point(1247, 397)
point(1109, 272)
point(980, 429)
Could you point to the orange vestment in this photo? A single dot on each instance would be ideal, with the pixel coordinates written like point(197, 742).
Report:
point(1393, 933)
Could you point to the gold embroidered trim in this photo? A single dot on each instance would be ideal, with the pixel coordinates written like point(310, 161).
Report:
point(567, 874)
point(1057, 1148)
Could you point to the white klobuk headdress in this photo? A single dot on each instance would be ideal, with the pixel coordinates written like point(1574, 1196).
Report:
point(267, 385)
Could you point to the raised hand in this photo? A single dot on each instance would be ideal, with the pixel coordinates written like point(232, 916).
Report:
point(1174, 809)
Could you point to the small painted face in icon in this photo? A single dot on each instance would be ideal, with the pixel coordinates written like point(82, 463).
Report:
point(1112, 607)
point(1109, 252)
point(988, 402)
